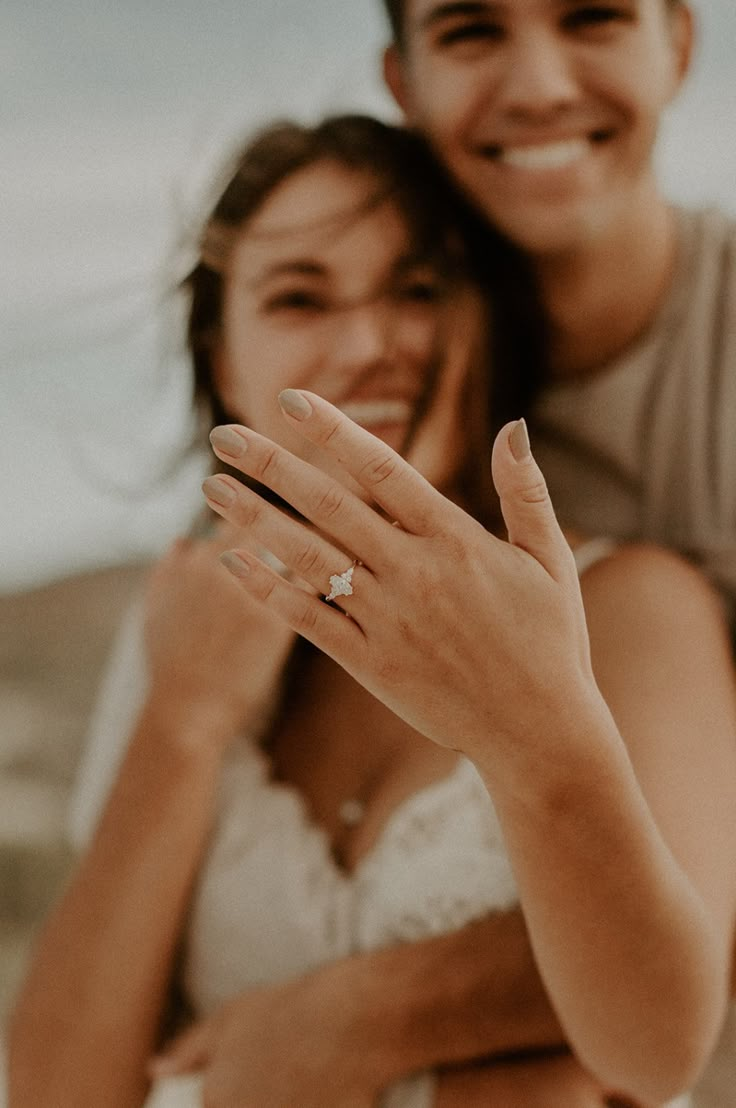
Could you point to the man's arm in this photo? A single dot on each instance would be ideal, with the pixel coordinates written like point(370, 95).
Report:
point(374, 1018)
point(469, 994)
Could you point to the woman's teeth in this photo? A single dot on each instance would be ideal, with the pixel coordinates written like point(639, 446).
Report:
point(376, 412)
point(553, 155)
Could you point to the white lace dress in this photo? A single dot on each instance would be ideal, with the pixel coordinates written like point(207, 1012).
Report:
point(271, 888)
point(271, 903)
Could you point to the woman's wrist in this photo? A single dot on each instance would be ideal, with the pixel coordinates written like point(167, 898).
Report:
point(533, 753)
point(187, 727)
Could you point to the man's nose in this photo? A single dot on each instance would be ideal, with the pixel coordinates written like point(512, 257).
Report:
point(539, 76)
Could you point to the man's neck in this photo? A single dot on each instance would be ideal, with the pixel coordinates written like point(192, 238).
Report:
point(601, 300)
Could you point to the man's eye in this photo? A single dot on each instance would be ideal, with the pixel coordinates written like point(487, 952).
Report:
point(591, 15)
point(477, 31)
point(295, 300)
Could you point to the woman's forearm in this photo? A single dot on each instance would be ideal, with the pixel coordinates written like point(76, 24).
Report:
point(89, 1012)
point(630, 955)
point(533, 1082)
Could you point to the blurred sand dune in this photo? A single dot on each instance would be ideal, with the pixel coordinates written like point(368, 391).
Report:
point(53, 644)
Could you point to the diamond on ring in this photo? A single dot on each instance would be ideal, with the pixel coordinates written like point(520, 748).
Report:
point(341, 583)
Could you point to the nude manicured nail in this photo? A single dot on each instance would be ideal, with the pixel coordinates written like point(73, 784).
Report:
point(294, 404)
point(219, 491)
point(228, 441)
point(235, 563)
point(519, 441)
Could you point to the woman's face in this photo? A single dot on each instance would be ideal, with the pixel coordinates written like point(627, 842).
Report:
point(322, 292)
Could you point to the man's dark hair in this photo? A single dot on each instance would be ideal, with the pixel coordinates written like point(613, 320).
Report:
point(395, 13)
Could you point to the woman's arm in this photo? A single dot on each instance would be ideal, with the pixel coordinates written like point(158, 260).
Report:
point(89, 1012)
point(655, 937)
point(88, 1015)
point(483, 646)
point(539, 1082)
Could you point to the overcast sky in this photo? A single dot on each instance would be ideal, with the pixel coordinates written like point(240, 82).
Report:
point(114, 115)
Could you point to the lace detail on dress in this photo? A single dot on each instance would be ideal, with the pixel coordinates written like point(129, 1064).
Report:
point(269, 904)
point(440, 863)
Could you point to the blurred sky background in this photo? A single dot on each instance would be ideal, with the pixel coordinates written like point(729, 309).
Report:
point(115, 115)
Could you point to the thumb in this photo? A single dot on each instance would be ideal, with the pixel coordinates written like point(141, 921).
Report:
point(187, 1053)
point(527, 509)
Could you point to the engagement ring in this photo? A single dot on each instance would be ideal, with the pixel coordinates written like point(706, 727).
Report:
point(341, 583)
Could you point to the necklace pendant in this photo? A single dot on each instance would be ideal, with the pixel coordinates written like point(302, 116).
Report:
point(351, 812)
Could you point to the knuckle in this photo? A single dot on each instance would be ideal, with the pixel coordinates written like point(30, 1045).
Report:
point(330, 432)
point(247, 509)
point(378, 468)
point(267, 465)
point(535, 492)
point(456, 548)
point(309, 561)
point(389, 671)
point(305, 618)
point(428, 586)
point(329, 502)
point(265, 586)
point(406, 628)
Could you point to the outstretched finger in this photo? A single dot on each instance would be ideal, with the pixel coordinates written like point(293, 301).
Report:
point(302, 549)
point(329, 629)
point(388, 479)
point(316, 496)
point(525, 502)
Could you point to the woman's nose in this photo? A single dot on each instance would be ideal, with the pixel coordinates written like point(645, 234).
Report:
point(366, 335)
point(539, 76)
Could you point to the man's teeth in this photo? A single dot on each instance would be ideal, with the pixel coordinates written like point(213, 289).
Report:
point(554, 155)
point(375, 412)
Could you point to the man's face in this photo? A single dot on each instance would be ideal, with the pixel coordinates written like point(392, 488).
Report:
point(545, 111)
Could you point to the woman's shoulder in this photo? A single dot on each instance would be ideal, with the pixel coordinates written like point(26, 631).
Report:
point(651, 592)
point(641, 567)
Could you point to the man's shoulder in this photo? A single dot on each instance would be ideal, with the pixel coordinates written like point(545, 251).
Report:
point(708, 228)
point(702, 304)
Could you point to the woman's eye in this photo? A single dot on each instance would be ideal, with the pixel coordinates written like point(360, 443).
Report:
point(475, 31)
point(421, 292)
point(295, 300)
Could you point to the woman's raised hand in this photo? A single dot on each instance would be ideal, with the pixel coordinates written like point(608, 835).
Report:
point(214, 655)
point(461, 634)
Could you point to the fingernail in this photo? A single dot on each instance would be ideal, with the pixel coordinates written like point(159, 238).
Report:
point(232, 561)
point(294, 404)
point(519, 441)
point(228, 441)
point(219, 491)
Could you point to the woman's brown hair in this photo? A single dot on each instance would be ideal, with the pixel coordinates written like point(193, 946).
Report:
point(444, 231)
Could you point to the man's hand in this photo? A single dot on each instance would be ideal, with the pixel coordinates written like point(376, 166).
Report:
point(285, 1044)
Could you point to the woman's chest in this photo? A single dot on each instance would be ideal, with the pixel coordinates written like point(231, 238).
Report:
point(272, 902)
point(352, 761)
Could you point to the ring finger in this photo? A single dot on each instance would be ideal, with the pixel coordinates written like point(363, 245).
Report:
point(311, 557)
